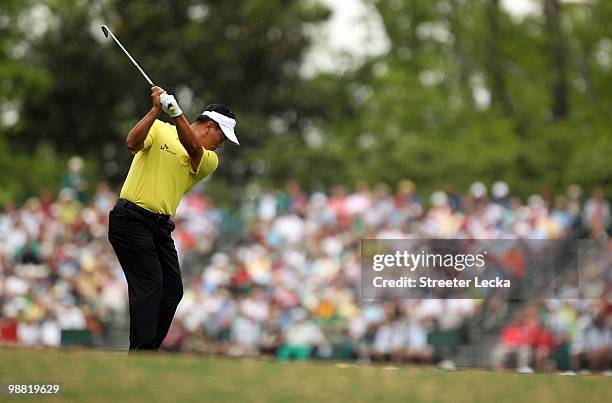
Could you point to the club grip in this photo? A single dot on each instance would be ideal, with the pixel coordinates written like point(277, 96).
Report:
point(170, 109)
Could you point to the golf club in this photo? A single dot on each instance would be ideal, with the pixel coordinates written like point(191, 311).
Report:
point(107, 32)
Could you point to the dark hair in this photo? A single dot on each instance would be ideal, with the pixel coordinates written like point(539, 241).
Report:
point(219, 108)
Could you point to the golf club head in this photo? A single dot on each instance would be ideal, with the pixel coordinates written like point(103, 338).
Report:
point(105, 30)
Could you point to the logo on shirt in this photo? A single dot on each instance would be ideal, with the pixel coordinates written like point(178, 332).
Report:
point(167, 149)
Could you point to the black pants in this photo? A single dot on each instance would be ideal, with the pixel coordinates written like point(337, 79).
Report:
point(146, 251)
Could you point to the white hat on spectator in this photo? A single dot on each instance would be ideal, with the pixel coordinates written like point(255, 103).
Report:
point(500, 189)
point(478, 190)
point(439, 198)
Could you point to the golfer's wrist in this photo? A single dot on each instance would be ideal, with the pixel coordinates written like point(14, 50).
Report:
point(179, 117)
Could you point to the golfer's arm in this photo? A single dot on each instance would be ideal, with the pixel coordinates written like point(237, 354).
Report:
point(136, 137)
point(189, 140)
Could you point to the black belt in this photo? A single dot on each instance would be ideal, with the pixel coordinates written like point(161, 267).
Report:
point(143, 211)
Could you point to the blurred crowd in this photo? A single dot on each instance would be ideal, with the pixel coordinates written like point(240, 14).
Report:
point(570, 334)
point(288, 284)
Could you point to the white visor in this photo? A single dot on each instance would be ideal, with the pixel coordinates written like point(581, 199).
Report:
point(226, 124)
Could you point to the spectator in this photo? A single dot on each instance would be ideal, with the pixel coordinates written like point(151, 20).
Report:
point(596, 214)
point(74, 178)
point(301, 338)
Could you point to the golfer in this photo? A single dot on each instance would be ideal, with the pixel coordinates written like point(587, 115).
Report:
point(169, 160)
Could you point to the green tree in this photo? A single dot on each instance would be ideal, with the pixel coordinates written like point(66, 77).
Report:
point(469, 92)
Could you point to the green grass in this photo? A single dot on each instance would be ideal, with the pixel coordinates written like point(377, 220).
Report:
point(100, 376)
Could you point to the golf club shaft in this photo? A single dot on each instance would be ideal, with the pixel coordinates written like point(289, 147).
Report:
point(128, 55)
point(107, 32)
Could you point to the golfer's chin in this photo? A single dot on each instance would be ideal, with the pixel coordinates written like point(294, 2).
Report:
point(210, 147)
point(208, 143)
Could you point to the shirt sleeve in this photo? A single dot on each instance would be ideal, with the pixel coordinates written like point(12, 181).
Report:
point(208, 164)
point(152, 135)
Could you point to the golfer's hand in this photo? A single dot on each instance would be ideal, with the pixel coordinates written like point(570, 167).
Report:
point(155, 93)
point(170, 105)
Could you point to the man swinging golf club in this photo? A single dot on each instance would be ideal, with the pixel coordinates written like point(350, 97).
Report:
point(168, 161)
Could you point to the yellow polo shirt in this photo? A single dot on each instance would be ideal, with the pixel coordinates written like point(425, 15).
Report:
point(161, 172)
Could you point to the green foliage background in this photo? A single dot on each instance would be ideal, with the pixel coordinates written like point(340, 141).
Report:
point(466, 92)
